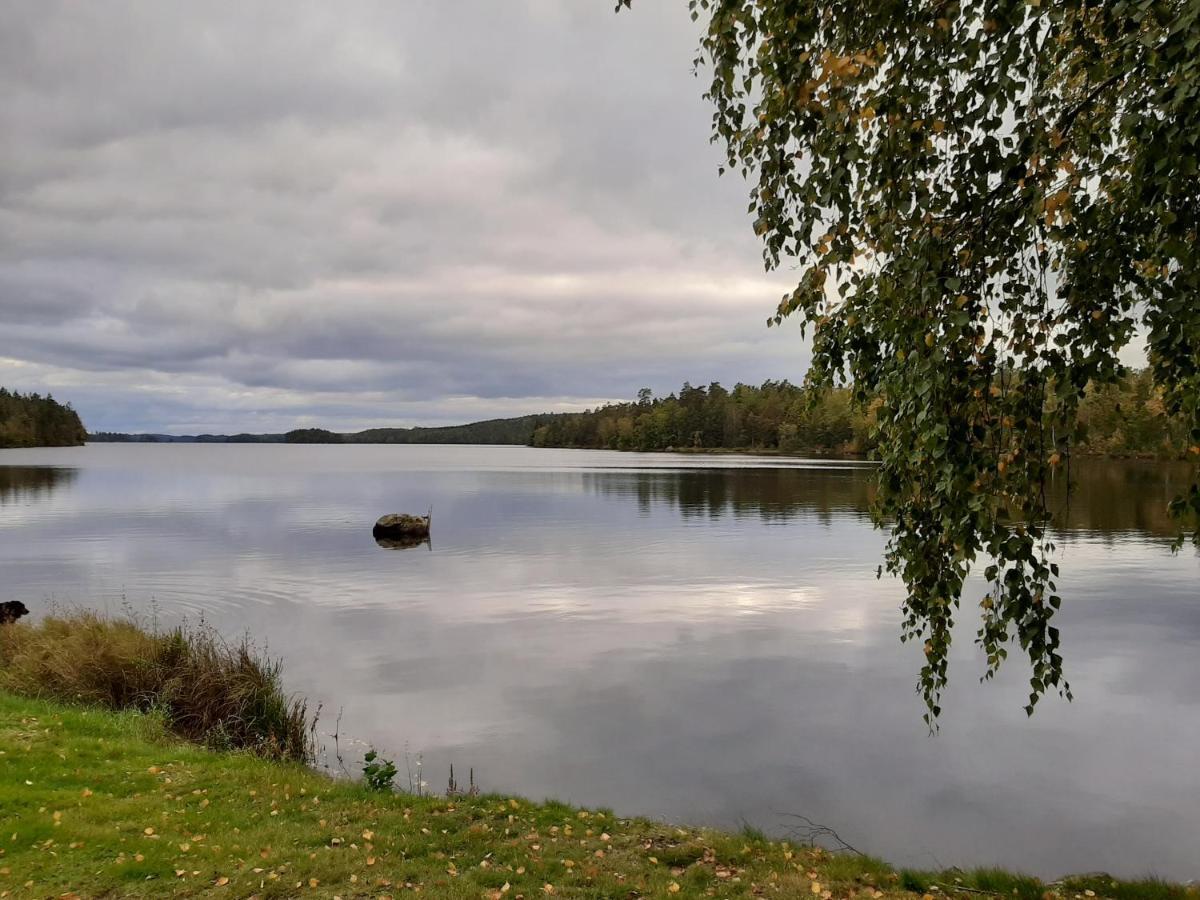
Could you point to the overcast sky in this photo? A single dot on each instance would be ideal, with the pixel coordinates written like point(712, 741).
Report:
point(254, 216)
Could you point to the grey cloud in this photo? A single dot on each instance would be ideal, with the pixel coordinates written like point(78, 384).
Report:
point(205, 207)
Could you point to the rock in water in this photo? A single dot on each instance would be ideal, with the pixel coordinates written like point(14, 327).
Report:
point(402, 527)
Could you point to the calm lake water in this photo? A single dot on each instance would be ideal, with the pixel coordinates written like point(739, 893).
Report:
point(699, 639)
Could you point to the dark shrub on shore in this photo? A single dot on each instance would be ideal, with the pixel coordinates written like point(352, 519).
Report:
point(223, 695)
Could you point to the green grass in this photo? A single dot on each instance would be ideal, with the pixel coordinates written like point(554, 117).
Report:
point(99, 803)
point(998, 882)
point(109, 803)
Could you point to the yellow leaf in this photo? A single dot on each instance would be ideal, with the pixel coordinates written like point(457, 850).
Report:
point(547, 888)
point(222, 881)
point(816, 887)
point(147, 831)
point(313, 882)
point(673, 887)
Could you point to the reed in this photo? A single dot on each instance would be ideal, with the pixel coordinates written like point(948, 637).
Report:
point(223, 695)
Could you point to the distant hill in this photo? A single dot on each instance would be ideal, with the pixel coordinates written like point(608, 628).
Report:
point(120, 437)
point(518, 430)
point(31, 420)
point(492, 431)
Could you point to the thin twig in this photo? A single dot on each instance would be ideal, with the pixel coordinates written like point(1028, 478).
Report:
point(966, 890)
point(337, 750)
point(811, 832)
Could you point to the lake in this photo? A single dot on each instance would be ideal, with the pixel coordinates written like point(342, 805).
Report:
point(698, 639)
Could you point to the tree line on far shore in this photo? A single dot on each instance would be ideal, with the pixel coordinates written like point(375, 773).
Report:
point(1126, 419)
point(31, 420)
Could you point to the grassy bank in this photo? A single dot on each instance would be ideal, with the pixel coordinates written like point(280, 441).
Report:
point(101, 803)
point(97, 802)
point(101, 796)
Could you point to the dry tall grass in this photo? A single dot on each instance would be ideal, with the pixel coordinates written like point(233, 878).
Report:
point(221, 695)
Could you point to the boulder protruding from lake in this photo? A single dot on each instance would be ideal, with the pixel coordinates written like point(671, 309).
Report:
point(400, 529)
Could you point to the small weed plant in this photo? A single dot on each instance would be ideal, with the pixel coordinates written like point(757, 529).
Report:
point(378, 773)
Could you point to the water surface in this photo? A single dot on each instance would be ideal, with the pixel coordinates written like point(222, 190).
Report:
point(699, 639)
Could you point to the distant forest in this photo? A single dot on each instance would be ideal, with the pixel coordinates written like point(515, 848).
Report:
point(776, 415)
point(493, 431)
point(31, 420)
point(1120, 420)
point(1127, 419)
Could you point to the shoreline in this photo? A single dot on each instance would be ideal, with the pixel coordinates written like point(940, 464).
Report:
point(104, 802)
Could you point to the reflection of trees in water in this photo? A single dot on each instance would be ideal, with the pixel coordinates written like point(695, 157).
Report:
point(770, 494)
point(18, 483)
point(1110, 496)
